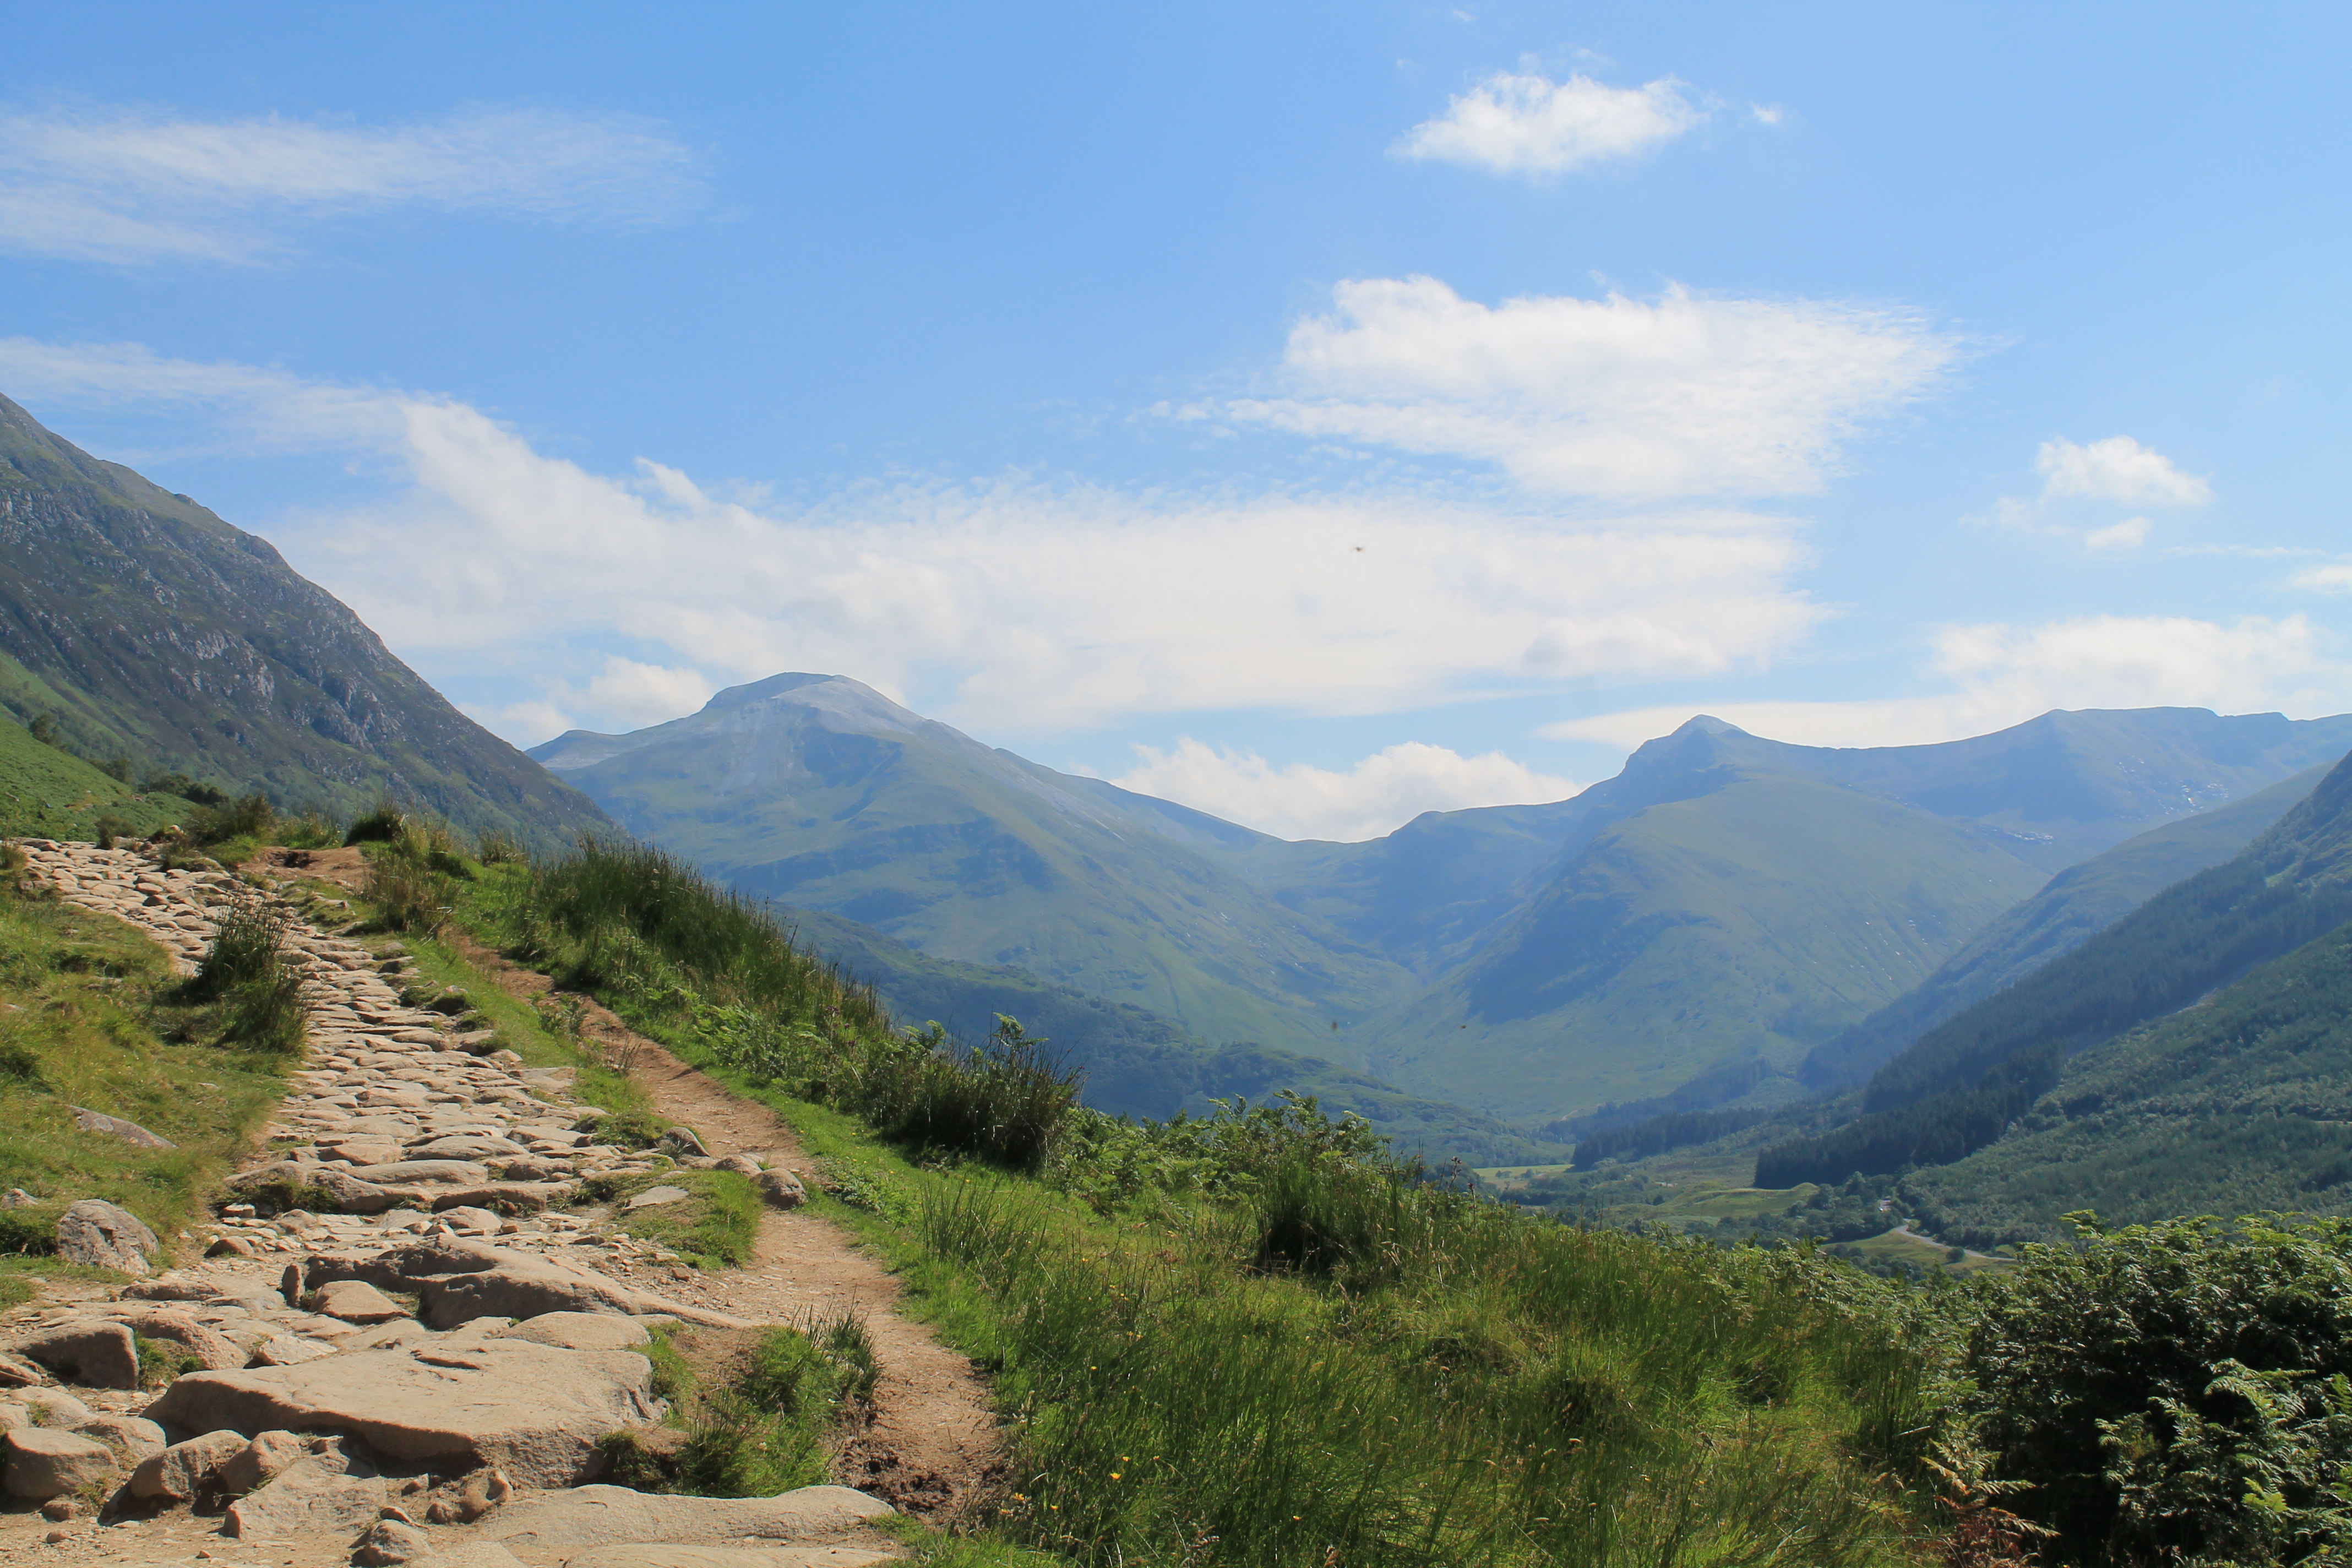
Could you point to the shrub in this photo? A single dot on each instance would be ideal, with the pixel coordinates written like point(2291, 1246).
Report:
point(248, 817)
point(312, 831)
point(110, 827)
point(44, 728)
point(246, 968)
point(497, 848)
point(382, 821)
point(32, 1230)
point(2180, 1391)
point(116, 768)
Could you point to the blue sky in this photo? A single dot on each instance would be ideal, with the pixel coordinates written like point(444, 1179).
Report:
point(1316, 417)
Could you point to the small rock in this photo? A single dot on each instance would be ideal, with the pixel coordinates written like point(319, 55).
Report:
point(259, 1461)
point(58, 1537)
point(59, 1510)
point(114, 1126)
point(391, 1541)
point(781, 1189)
point(229, 1246)
point(652, 1197)
point(680, 1141)
point(135, 1439)
point(96, 1234)
point(185, 1469)
point(91, 1351)
point(43, 1463)
point(16, 1371)
point(481, 1492)
point(17, 1198)
point(357, 1302)
point(742, 1164)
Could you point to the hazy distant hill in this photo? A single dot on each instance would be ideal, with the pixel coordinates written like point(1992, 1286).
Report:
point(156, 632)
point(1725, 901)
point(2078, 902)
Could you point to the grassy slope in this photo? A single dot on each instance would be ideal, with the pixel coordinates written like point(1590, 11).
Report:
point(1756, 919)
point(80, 995)
point(2079, 901)
point(46, 792)
point(2241, 1104)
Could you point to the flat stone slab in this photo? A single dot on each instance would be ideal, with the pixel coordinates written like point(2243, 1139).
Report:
point(423, 1172)
point(579, 1332)
point(669, 1555)
point(652, 1197)
point(533, 1411)
point(615, 1516)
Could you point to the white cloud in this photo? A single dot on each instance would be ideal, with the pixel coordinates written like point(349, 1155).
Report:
point(2334, 578)
point(1767, 113)
point(1515, 123)
point(2003, 675)
point(1680, 397)
point(2119, 469)
point(129, 185)
point(2128, 534)
point(1028, 607)
point(1379, 795)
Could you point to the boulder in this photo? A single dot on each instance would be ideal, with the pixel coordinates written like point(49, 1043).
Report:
point(172, 1286)
point(258, 1462)
point(96, 1234)
point(389, 1541)
point(517, 1197)
point(535, 1412)
point(58, 1407)
point(44, 1463)
point(580, 1331)
point(134, 1438)
point(781, 1188)
point(742, 1164)
point(424, 1173)
point(185, 1469)
point(469, 1146)
point(641, 1555)
point(314, 1494)
point(92, 1351)
point(529, 1287)
point(345, 1192)
point(357, 1302)
point(563, 1525)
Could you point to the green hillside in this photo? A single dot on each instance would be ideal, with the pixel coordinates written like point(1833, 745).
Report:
point(149, 630)
point(1968, 1079)
point(821, 794)
point(46, 792)
point(2241, 1105)
point(2079, 901)
point(1138, 1064)
point(1754, 919)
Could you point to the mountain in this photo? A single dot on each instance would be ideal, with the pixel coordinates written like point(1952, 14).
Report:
point(2078, 902)
point(152, 631)
point(1963, 1083)
point(1686, 932)
point(820, 793)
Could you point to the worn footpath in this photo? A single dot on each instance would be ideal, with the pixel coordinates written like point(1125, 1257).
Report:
point(405, 1342)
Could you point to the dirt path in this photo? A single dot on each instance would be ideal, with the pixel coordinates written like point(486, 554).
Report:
point(933, 1440)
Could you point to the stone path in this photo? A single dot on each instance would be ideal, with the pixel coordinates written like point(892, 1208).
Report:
point(445, 1155)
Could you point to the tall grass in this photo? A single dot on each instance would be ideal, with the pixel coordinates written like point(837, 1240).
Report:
point(634, 921)
point(247, 970)
point(1470, 1386)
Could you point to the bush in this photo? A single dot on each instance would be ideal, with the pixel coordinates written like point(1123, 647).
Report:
point(30, 1230)
point(2179, 1391)
point(110, 827)
point(116, 768)
point(497, 848)
point(382, 821)
point(312, 831)
point(248, 817)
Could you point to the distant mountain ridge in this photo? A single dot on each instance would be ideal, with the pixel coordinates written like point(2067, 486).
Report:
point(156, 632)
point(1724, 908)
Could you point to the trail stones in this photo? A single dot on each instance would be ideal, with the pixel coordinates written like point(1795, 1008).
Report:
point(129, 1435)
point(357, 1302)
point(329, 1488)
point(535, 1412)
point(654, 1197)
point(643, 1555)
point(96, 1233)
point(255, 1463)
point(580, 1331)
point(101, 1354)
point(391, 1541)
point(781, 1189)
point(213, 1351)
point(679, 1142)
point(114, 1126)
point(16, 1371)
point(569, 1522)
point(43, 1464)
point(183, 1470)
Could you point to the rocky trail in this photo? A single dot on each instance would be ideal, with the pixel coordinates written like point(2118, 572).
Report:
point(406, 1342)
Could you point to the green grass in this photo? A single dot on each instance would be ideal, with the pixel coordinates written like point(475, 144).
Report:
point(88, 1013)
point(716, 1226)
point(46, 792)
point(751, 1414)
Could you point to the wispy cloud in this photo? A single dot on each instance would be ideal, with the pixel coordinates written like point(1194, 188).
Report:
point(1996, 674)
point(1021, 606)
point(2119, 469)
point(1514, 123)
point(121, 185)
point(1382, 792)
point(2118, 539)
point(2333, 578)
point(1682, 396)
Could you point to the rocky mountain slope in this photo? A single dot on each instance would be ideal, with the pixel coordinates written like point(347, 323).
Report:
point(153, 631)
